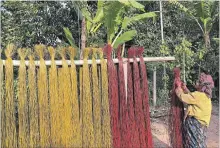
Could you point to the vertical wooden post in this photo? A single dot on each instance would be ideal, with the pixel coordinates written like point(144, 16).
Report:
point(154, 86)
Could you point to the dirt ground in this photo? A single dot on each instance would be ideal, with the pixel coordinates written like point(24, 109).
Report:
point(160, 132)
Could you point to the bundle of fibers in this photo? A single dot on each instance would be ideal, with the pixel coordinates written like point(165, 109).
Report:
point(96, 101)
point(135, 142)
point(10, 139)
point(139, 113)
point(44, 111)
point(145, 97)
point(176, 115)
point(124, 119)
point(33, 104)
point(67, 123)
point(76, 128)
point(113, 97)
point(55, 114)
point(105, 117)
point(23, 134)
point(2, 107)
point(87, 120)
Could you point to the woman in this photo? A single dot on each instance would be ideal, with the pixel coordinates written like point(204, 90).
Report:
point(198, 113)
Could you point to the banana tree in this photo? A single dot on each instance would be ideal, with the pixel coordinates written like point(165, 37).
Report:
point(204, 13)
point(112, 14)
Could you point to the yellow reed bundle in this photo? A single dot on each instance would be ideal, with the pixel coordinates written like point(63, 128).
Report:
point(33, 104)
point(55, 114)
point(67, 134)
point(23, 134)
point(2, 107)
point(106, 128)
point(76, 129)
point(96, 102)
point(87, 121)
point(10, 128)
point(43, 99)
point(81, 95)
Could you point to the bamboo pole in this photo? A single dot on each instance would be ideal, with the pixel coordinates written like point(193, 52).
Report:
point(80, 62)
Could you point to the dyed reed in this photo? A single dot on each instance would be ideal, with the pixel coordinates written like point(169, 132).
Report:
point(87, 121)
point(2, 107)
point(76, 129)
point(33, 104)
point(124, 119)
point(176, 115)
point(139, 114)
point(135, 142)
point(113, 97)
point(67, 124)
point(45, 138)
point(145, 99)
point(105, 118)
point(96, 101)
point(23, 134)
point(55, 105)
point(10, 127)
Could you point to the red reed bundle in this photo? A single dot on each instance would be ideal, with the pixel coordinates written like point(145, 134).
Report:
point(145, 97)
point(113, 96)
point(176, 117)
point(124, 120)
point(139, 113)
point(135, 142)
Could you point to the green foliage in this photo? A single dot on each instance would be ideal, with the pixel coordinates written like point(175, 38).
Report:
point(126, 36)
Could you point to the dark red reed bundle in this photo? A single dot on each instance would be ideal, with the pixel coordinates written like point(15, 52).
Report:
point(135, 142)
point(176, 115)
point(124, 121)
point(145, 97)
point(113, 97)
point(139, 114)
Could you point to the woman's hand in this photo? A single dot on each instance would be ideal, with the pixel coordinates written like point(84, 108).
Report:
point(185, 89)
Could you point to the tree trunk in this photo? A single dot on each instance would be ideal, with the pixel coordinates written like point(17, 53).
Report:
point(83, 37)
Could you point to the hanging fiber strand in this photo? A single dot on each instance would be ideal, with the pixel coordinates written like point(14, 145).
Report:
point(106, 128)
point(43, 99)
point(76, 129)
point(87, 121)
point(113, 97)
point(33, 104)
point(135, 142)
point(10, 126)
point(139, 114)
point(67, 122)
point(96, 101)
point(2, 107)
point(145, 97)
point(61, 102)
point(55, 114)
point(124, 119)
point(176, 115)
point(23, 134)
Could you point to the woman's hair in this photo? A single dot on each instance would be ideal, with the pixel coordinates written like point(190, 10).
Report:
point(207, 84)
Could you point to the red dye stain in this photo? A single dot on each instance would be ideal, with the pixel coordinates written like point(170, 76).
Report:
point(113, 97)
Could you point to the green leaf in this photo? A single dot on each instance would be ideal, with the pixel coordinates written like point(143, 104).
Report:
point(111, 12)
point(126, 36)
point(126, 2)
point(86, 14)
point(137, 5)
point(69, 37)
point(127, 21)
point(99, 14)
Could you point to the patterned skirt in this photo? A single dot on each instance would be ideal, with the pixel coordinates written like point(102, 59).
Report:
point(194, 133)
